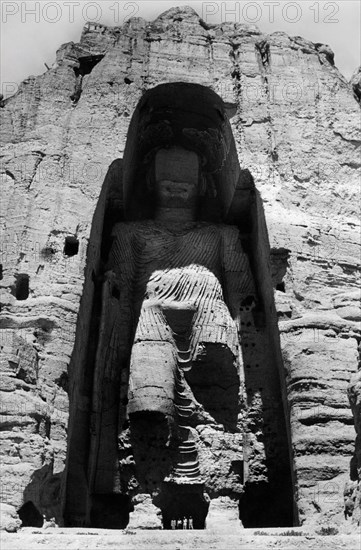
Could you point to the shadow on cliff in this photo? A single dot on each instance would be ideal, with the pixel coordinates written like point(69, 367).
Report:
point(268, 499)
point(76, 497)
point(42, 498)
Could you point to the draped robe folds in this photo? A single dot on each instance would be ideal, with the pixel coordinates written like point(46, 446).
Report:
point(197, 273)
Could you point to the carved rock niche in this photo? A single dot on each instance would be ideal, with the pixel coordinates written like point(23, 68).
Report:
point(177, 391)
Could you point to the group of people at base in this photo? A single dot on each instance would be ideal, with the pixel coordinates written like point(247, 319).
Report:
point(185, 523)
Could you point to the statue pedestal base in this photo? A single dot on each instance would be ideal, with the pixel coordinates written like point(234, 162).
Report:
point(145, 515)
point(223, 515)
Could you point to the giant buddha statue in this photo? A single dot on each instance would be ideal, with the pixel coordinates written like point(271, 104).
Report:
point(178, 343)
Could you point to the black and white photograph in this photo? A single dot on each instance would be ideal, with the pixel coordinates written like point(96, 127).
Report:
point(180, 242)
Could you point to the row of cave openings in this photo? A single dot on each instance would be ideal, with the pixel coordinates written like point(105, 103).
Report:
point(85, 66)
point(185, 510)
point(21, 288)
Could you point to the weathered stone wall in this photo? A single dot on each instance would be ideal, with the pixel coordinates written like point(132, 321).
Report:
point(296, 130)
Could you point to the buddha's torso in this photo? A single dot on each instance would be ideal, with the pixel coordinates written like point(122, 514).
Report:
point(174, 263)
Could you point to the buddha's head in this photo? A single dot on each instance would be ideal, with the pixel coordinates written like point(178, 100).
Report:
point(176, 184)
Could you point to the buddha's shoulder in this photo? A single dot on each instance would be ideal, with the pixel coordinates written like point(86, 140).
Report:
point(149, 227)
point(131, 227)
point(215, 228)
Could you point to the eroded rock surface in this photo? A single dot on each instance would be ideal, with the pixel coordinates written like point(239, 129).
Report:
point(9, 519)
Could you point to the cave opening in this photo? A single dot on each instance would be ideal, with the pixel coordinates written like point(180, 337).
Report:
point(87, 64)
point(266, 505)
point(279, 264)
point(30, 515)
point(71, 246)
point(85, 67)
point(183, 506)
point(21, 289)
point(110, 511)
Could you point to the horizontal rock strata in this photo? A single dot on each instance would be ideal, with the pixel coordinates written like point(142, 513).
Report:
point(296, 127)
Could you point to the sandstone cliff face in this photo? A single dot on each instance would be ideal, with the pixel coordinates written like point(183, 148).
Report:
point(296, 130)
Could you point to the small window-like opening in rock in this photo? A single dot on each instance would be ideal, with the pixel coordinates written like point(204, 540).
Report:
point(30, 515)
point(281, 287)
point(115, 292)
point(127, 80)
point(87, 64)
point(71, 246)
point(21, 290)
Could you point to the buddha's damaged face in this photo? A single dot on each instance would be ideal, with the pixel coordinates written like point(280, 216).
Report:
point(176, 194)
point(176, 178)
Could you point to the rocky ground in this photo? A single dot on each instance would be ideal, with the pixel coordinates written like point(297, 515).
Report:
point(286, 539)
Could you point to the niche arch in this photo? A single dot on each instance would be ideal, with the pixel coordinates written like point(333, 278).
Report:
point(193, 117)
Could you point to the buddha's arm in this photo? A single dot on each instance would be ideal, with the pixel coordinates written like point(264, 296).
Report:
point(112, 360)
point(118, 286)
point(239, 287)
